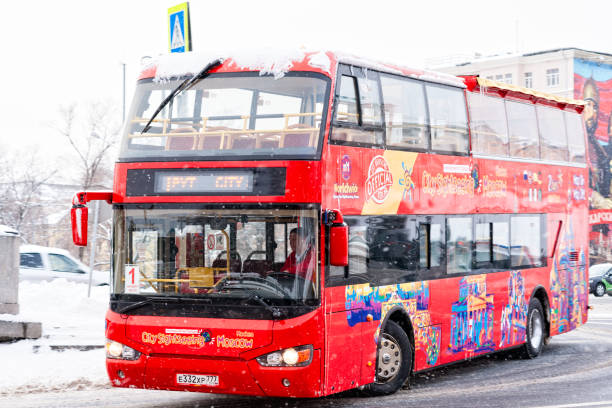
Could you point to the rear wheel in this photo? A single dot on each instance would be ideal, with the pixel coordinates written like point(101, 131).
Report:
point(394, 361)
point(536, 330)
point(600, 289)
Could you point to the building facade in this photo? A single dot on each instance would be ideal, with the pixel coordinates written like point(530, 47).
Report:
point(571, 73)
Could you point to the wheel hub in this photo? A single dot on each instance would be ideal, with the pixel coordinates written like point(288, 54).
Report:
point(389, 358)
point(535, 329)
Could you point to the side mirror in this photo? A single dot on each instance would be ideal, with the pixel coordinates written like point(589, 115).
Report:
point(338, 239)
point(78, 217)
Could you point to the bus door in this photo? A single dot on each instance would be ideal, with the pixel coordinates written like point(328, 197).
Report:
point(344, 365)
point(565, 264)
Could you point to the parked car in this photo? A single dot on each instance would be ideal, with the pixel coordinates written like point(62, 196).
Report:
point(600, 279)
point(38, 263)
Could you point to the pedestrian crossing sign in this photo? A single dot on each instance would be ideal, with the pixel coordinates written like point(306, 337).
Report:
point(179, 28)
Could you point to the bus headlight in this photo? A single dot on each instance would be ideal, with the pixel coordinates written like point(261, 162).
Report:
point(117, 350)
point(290, 357)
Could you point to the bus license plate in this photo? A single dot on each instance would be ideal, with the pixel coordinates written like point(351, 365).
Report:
point(193, 379)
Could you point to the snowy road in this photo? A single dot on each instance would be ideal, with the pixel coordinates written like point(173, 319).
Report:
point(573, 371)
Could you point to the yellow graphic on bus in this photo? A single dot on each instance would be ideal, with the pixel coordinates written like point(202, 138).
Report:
point(383, 190)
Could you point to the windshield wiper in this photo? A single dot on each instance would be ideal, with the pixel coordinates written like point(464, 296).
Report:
point(147, 301)
point(151, 299)
point(186, 84)
point(254, 296)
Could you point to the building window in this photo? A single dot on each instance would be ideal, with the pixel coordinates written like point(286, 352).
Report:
point(499, 78)
point(508, 79)
point(528, 80)
point(552, 77)
point(490, 77)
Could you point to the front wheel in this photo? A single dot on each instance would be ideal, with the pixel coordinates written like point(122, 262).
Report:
point(394, 361)
point(535, 333)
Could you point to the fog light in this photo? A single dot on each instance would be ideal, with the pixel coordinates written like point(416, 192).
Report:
point(286, 382)
point(120, 374)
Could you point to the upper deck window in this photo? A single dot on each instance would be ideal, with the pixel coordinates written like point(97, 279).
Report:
point(347, 101)
point(552, 131)
point(405, 112)
point(447, 118)
point(369, 95)
point(523, 130)
point(358, 117)
point(575, 137)
point(229, 115)
point(488, 124)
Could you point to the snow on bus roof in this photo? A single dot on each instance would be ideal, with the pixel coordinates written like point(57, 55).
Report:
point(484, 83)
point(277, 62)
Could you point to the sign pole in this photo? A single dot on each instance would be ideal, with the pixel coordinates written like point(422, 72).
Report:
point(92, 252)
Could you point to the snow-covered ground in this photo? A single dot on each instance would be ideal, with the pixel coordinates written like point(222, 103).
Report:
point(69, 318)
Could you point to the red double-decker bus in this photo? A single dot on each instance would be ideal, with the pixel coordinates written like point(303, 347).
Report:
point(307, 224)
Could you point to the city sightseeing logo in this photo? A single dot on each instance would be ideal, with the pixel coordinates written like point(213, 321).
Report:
point(379, 181)
point(345, 167)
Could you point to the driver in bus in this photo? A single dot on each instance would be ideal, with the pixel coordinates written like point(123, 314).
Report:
point(301, 259)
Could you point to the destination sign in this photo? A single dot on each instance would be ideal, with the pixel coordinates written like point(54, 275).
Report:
point(203, 182)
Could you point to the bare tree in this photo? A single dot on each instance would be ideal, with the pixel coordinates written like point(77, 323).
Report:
point(20, 192)
point(93, 136)
point(92, 139)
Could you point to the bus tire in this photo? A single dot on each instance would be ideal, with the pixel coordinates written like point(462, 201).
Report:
point(535, 330)
point(393, 361)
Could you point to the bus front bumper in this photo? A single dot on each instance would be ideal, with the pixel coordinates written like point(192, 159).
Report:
point(235, 376)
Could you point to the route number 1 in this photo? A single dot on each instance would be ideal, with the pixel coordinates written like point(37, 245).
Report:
point(132, 279)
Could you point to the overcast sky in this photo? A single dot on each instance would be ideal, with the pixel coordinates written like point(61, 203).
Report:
point(61, 52)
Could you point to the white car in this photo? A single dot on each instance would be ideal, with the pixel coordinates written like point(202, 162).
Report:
point(38, 263)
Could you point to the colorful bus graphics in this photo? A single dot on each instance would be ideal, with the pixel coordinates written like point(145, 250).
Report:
point(472, 317)
point(413, 298)
point(514, 314)
point(568, 285)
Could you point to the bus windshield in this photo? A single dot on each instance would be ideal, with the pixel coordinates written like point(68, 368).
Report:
point(229, 115)
point(250, 255)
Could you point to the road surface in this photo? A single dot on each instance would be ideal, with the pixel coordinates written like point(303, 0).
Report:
point(574, 370)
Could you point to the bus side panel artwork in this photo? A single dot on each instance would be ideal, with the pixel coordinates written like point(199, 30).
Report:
point(396, 182)
point(409, 298)
point(569, 291)
point(514, 313)
point(472, 318)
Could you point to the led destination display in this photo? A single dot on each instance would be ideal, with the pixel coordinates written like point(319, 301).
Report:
point(203, 182)
point(261, 181)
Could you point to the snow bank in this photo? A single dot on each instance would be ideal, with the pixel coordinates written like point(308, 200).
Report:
point(68, 317)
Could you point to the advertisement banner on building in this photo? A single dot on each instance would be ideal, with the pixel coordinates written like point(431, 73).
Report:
point(593, 84)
